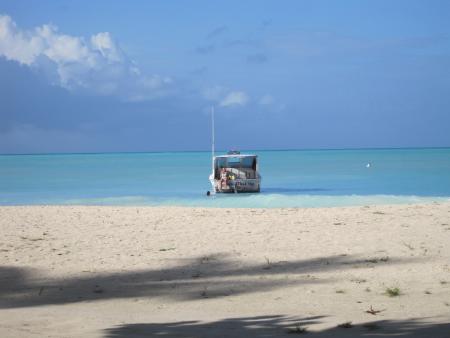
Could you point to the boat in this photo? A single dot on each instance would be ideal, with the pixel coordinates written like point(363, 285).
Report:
point(234, 172)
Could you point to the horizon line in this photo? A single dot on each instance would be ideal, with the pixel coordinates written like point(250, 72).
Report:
point(208, 151)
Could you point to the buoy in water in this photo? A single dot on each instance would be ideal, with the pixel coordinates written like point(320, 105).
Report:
point(368, 165)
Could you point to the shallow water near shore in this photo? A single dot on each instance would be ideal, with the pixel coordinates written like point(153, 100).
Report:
point(291, 178)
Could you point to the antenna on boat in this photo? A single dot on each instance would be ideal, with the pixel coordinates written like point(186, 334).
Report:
point(213, 141)
point(213, 134)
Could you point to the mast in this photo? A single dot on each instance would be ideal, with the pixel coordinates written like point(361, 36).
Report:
point(212, 139)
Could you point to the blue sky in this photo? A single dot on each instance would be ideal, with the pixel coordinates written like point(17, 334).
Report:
point(93, 76)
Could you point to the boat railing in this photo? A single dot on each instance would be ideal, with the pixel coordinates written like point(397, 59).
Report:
point(243, 173)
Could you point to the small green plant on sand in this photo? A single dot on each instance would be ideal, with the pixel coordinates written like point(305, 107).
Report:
point(393, 292)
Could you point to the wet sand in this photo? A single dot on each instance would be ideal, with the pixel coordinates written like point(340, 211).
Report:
point(75, 271)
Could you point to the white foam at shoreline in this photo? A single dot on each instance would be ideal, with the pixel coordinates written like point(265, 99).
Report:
point(260, 200)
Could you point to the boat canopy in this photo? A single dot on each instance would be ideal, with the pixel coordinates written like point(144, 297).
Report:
point(236, 161)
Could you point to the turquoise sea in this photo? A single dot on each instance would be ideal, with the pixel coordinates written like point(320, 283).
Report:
point(290, 178)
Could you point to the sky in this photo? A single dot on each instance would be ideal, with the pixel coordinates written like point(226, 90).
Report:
point(117, 76)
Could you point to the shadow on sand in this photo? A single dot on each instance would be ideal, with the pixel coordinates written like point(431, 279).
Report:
point(279, 326)
point(202, 277)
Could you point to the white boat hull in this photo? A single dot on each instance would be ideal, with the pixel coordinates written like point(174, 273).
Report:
point(237, 186)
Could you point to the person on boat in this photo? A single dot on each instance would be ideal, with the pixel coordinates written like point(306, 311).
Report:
point(231, 181)
point(223, 178)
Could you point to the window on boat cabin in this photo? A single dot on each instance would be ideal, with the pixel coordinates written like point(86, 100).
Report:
point(249, 162)
point(221, 162)
point(241, 162)
point(233, 162)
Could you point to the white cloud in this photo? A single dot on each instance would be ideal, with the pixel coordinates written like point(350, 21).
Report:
point(266, 100)
point(234, 99)
point(96, 65)
point(214, 93)
point(15, 45)
point(104, 43)
point(225, 97)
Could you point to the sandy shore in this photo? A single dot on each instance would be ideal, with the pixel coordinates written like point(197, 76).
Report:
point(193, 272)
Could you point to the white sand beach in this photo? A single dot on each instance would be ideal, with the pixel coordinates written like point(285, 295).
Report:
point(76, 271)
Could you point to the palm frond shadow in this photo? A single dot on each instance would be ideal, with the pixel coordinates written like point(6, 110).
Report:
point(201, 277)
point(279, 326)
